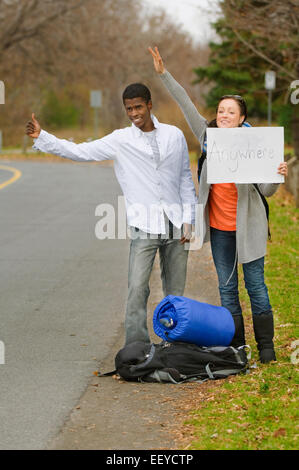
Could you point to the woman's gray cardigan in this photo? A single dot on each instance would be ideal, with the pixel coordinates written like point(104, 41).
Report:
point(252, 224)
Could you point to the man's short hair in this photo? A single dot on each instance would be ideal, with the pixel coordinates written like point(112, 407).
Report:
point(137, 90)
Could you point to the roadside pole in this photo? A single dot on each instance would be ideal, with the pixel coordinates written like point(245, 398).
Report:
point(96, 103)
point(2, 101)
point(270, 83)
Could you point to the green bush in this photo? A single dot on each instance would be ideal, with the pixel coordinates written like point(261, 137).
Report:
point(59, 110)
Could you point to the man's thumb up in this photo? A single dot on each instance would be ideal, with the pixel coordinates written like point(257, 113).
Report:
point(33, 128)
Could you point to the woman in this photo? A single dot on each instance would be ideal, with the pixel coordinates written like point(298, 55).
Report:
point(235, 235)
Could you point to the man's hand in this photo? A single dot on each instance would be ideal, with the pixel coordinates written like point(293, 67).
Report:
point(33, 128)
point(187, 234)
point(158, 62)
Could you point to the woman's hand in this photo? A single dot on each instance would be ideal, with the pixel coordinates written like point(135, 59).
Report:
point(158, 62)
point(283, 169)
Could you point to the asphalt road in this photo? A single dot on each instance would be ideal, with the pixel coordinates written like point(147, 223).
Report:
point(62, 293)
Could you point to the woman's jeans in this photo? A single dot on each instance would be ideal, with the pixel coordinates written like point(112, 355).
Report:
point(223, 245)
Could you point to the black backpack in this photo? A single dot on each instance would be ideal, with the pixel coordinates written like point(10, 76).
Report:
point(178, 362)
point(264, 200)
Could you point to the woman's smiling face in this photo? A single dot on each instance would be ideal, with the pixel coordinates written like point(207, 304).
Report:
point(228, 114)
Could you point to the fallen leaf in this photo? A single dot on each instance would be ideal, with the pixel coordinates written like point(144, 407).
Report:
point(91, 426)
point(280, 432)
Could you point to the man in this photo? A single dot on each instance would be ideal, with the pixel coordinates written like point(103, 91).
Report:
point(151, 163)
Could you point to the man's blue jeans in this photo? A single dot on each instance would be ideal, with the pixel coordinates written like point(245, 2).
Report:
point(223, 245)
point(173, 265)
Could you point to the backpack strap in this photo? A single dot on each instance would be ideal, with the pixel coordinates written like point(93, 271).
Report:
point(107, 374)
point(145, 363)
point(162, 376)
point(202, 157)
point(266, 205)
point(220, 374)
point(209, 372)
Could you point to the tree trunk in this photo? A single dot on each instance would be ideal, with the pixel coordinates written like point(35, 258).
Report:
point(295, 129)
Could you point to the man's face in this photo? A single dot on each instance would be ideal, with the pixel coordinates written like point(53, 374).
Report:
point(139, 112)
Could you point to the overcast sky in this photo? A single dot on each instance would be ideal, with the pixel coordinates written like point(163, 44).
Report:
point(194, 15)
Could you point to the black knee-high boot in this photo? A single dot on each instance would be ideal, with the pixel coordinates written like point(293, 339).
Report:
point(239, 336)
point(263, 326)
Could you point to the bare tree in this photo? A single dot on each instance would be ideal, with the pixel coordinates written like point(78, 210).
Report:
point(274, 31)
point(99, 44)
point(269, 29)
point(25, 19)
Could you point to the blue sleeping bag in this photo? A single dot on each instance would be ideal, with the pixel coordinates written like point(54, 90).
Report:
point(178, 318)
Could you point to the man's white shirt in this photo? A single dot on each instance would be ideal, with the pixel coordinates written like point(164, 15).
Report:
point(150, 187)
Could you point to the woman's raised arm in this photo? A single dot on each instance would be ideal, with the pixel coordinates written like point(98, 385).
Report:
point(196, 121)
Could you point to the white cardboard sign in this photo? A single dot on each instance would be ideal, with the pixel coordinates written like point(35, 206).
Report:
point(244, 154)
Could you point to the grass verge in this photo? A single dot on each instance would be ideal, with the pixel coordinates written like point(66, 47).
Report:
point(258, 410)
